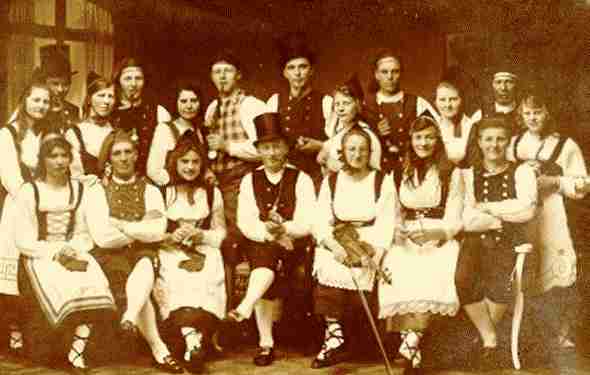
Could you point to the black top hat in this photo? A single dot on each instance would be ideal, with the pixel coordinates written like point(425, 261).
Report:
point(54, 63)
point(268, 127)
point(295, 46)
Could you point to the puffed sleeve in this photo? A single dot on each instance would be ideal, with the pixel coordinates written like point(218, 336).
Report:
point(300, 226)
point(249, 109)
point(522, 208)
point(28, 233)
point(324, 217)
point(103, 233)
point(248, 216)
point(387, 215)
point(215, 235)
point(452, 222)
point(153, 228)
point(272, 103)
point(162, 143)
point(573, 165)
point(76, 168)
point(81, 239)
point(10, 173)
point(475, 220)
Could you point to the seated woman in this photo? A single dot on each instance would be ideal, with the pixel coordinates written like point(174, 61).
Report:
point(561, 173)
point(87, 137)
point(372, 223)
point(500, 197)
point(345, 115)
point(62, 285)
point(454, 124)
point(431, 200)
point(186, 116)
point(190, 287)
point(127, 224)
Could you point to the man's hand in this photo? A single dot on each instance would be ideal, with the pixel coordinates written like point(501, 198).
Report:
point(308, 145)
point(216, 142)
point(275, 229)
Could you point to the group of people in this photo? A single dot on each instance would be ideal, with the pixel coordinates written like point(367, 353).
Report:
point(139, 213)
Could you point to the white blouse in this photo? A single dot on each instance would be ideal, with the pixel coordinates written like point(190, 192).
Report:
point(10, 173)
point(93, 136)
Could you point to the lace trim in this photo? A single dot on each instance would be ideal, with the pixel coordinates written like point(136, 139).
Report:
point(433, 307)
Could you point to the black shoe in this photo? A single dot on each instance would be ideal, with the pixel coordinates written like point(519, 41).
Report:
point(331, 357)
point(265, 356)
point(170, 365)
point(488, 359)
point(74, 370)
point(18, 353)
point(409, 369)
point(196, 364)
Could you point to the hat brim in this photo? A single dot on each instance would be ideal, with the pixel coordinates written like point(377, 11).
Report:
point(270, 138)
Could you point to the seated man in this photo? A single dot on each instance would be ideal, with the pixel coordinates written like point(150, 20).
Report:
point(274, 206)
point(127, 222)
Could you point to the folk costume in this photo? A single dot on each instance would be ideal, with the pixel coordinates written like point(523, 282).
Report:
point(60, 294)
point(286, 197)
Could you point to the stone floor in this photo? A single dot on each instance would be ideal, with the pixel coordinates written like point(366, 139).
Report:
point(287, 363)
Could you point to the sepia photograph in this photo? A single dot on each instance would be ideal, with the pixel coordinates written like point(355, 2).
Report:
point(294, 187)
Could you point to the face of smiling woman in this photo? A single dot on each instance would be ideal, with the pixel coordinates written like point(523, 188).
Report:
point(189, 166)
point(102, 102)
point(187, 104)
point(424, 142)
point(493, 143)
point(37, 103)
point(357, 150)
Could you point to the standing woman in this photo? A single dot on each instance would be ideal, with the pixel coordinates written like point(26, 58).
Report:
point(19, 142)
point(190, 287)
point(345, 115)
point(431, 200)
point(371, 221)
point(62, 286)
point(454, 124)
point(87, 136)
point(500, 198)
point(561, 173)
point(187, 116)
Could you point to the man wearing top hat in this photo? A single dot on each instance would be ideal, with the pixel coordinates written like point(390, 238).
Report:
point(389, 109)
point(56, 72)
point(274, 206)
point(229, 123)
point(303, 110)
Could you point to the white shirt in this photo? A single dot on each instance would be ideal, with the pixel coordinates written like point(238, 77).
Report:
point(248, 216)
point(10, 172)
point(93, 136)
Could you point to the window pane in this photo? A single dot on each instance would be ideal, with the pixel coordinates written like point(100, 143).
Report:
point(78, 60)
point(44, 12)
point(84, 14)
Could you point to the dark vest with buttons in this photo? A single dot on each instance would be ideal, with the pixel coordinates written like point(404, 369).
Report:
point(495, 188)
point(266, 193)
point(143, 120)
point(488, 109)
point(400, 116)
point(66, 118)
point(303, 117)
point(126, 201)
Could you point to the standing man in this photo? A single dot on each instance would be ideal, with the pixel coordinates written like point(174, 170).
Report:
point(302, 110)
point(274, 207)
point(389, 110)
point(135, 111)
point(229, 121)
point(505, 90)
point(56, 72)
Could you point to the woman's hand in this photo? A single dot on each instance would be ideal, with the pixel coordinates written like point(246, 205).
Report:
point(423, 236)
point(308, 145)
point(180, 234)
point(337, 250)
point(548, 184)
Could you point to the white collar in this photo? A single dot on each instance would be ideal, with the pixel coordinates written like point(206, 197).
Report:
point(124, 182)
point(397, 97)
point(501, 108)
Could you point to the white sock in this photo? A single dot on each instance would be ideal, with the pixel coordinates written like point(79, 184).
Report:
point(76, 354)
point(264, 319)
point(16, 339)
point(192, 339)
point(410, 346)
point(333, 337)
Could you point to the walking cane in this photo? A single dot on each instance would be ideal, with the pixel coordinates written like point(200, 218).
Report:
point(373, 325)
point(522, 251)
